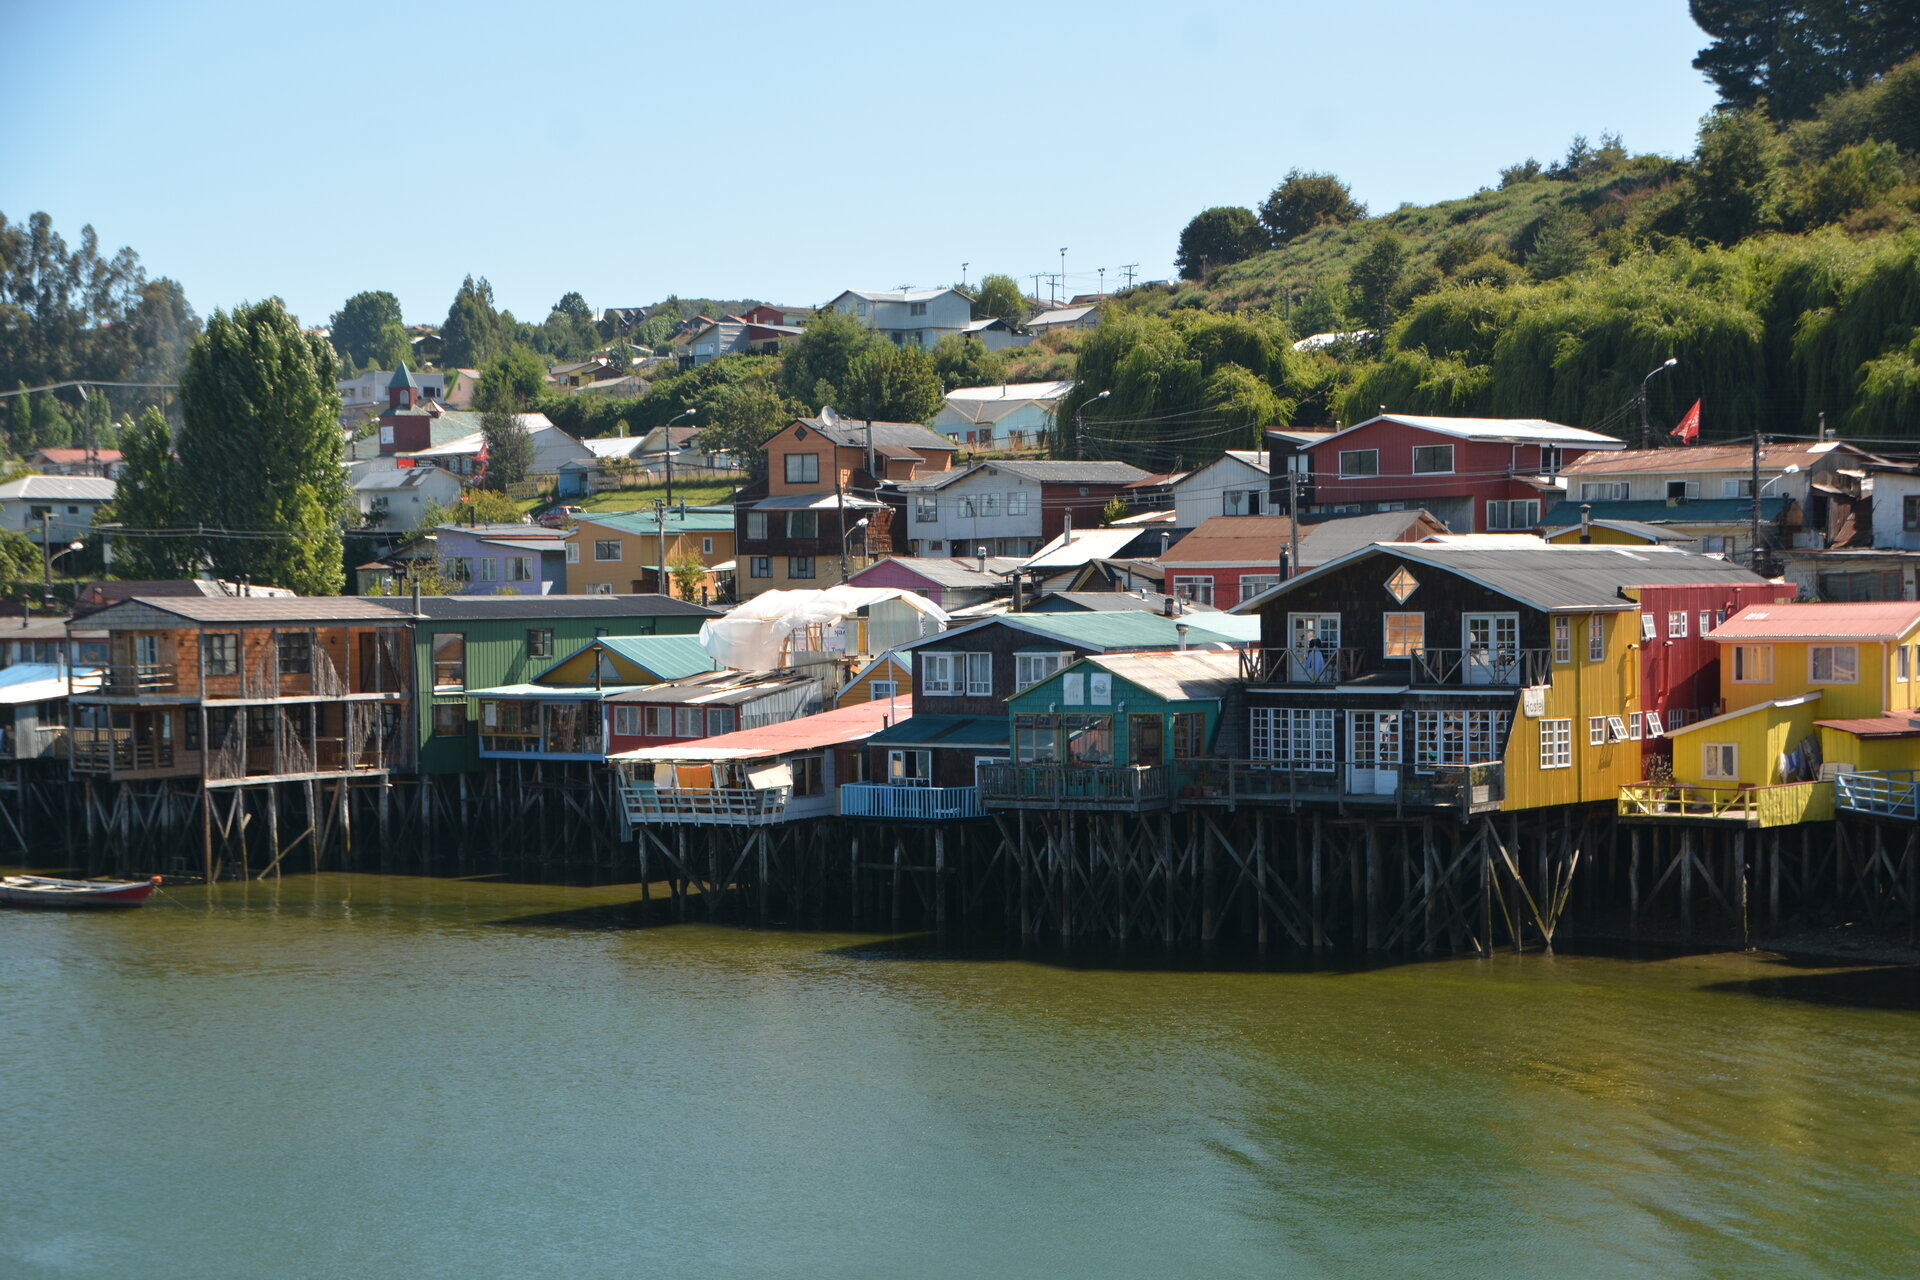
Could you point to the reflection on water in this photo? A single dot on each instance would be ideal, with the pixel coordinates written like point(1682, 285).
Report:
point(366, 1076)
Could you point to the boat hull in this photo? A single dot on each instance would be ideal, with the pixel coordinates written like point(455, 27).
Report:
point(45, 891)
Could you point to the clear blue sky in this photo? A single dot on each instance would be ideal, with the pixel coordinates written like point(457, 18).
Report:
point(780, 151)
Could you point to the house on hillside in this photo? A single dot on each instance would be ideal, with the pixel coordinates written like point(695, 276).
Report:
point(60, 508)
point(1068, 318)
point(1477, 475)
point(1231, 559)
point(1807, 500)
point(393, 499)
point(1010, 417)
point(107, 463)
point(495, 559)
point(908, 317)
point(610, 553)
point(1007, 507)
point(1233, 484)
point(831, 501)
point(951, 584)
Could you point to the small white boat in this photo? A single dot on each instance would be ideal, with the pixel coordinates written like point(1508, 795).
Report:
point(45, 891)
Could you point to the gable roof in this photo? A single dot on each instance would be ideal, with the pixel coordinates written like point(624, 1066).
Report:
point(58, 488)
point(1181, 675)
point(1039, 471)
point(689, 520)
point(896, 295)
point(956, 572)
point(1553, 578)
point(1495, 430)
point(1634, 528)
point(1257, 541)
point(1075, 548)
point(1704, 457)
point(1863, 620)
point(666, 657)
point(64, 455)
point(264, 610)
point(1062, 315)
point(852, 433)
point(486, 608)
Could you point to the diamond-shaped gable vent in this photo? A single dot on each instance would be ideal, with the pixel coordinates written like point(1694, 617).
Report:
point(1402, 584)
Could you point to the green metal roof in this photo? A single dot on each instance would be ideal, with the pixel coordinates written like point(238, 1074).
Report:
point(1133, 629)
point(944, 731)
point(668, 657)
point(402, 378)
point(1659, 512)
point(689, 521)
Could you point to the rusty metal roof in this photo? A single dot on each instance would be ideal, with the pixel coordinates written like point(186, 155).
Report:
point(1862, 620)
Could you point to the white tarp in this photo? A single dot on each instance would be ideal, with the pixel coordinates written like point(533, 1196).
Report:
point(754, 636)
point(771, 775)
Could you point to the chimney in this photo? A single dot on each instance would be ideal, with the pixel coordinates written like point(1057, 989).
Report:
point(1066, 530)
point(1166, 605)
point(981, 554)
point(1586, 523)
point(1019, 603)
point(1183, 628)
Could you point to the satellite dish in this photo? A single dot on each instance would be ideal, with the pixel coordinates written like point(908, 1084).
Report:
point(828, 418)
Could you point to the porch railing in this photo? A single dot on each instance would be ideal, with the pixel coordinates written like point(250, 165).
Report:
point(912, 804)
point(114, 750)
point(1300, 666)
point(134, 679)
point(1482, 666)
point(1069, 786)
point(1780, 805)
point(725, 806)
point(1511, 667)
point(1887, 793)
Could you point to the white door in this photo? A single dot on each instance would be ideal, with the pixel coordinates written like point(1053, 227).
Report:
point(1491, 642)
point(1373, 753)
point(1313, 642)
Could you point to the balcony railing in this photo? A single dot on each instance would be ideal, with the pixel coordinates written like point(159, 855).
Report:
point(1482, 666)
point(136, 679)
point(117, 750)
point(1775, 806)
point(1472, 788)
point(909, 803)
point(712, 806)
point(1071, 786)
point(1891, 793)
point(1301, 666)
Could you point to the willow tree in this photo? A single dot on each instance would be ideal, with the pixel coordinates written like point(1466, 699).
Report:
point(260, 450)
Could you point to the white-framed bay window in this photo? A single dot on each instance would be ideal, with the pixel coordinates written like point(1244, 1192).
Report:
point(1301, 738)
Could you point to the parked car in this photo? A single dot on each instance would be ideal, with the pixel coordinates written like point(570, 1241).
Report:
point(561, 517)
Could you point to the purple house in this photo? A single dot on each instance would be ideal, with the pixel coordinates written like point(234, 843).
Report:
point(951, 584)
point(502, 559)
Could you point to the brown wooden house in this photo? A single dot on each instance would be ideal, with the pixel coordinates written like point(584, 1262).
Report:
point(247, 690)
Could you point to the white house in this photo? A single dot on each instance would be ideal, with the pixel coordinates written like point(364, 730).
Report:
point(369, 390)
point(552, 448)
point(1065, 318)
point(1233, 484)
point(67, 504)
point(392, 499)
point(909, 317)
point(1013, 417)
point(1010, 508)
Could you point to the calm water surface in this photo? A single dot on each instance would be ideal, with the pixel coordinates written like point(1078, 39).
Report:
point(375, 1077)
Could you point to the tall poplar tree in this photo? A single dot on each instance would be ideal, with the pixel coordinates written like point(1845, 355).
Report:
point(146, 502)
point(365, 328)
point(261, 450)
point(471, 335)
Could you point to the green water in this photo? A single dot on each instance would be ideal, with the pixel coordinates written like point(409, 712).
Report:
point(359, 1076)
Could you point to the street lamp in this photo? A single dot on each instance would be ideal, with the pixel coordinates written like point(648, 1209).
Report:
point(1646, 429)
point(1080, 425)
point(846, 538)
point(667, 429)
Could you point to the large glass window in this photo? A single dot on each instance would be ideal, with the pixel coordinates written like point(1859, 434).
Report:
point(803, 526)
point(1431, 458)
point(1451, 739)
point(1293, 736)
point(607, 549)
point(220, 653)
point(799, 566)
point(1360, 462)
point(803, 468)
point(1405, 634)
point(926, 508)
point(1556, 744)
point(1833, 663)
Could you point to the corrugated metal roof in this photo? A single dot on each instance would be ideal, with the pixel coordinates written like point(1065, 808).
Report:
point(1907, 726)
point(25, 682)
point(840, 727)
point(1659, 512)
point(1698, 457)
point(816, 502)
point(853, 433)
point(266, 609)
point(1258, 540)
point(1864, 620)
point(1518, 430)
point(489, 608)
point(943, 731)
point(668, 657)
point(1175, 676)
point(1016, 391)
point(955, 572)
point(716, 688)
point(62, 488)
point(689, 521)
point(1128, 629)
point(1637, 528)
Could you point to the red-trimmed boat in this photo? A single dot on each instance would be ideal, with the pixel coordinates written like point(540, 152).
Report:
point(45, 891)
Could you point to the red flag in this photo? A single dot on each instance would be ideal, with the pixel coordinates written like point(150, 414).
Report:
point(1689, 428)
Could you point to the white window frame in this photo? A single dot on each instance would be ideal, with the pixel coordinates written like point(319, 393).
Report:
point(1748, 656)
point(1017, 503)
point(788, 468)
point(1299, 738)
point(1508, 514)
point(689, 722)
point(1596, 731)
point(1720, 761)
point(1596, 637)
point(573, 552)
point(1348, 473)
point(1395, 637)
point(926, 508)
point(1252, 584)
point(1562, 638)
point(1603, 490)
point(1432, 471)
point(659, 722)
point(979, 675)
point(1616, 729)
point(1676, 624)
point(1648, 626)
point(1634, 726)
point(626, 721)
point(1654, 727)
point(1197, 588)
point(1031, 668)
point(937, 674)
point(1556, 744)
point(1852, 653)
point(1455, 739)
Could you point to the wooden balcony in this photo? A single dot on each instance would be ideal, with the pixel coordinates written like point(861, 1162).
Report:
point(1891, 793)
point(1781, 805)
point(1467, 789)
point(138, 680)
point(1300, 666)
point(118, 751)
point(909, 803)
point(705, 806)
point(1127, 788)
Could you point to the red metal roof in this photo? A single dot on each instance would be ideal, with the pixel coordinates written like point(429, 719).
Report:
point(849, 724)
point(1903, 726)
point(1861, 620)
point(79, 455)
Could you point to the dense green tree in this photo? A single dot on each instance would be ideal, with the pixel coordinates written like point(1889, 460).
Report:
point(1790, 54)
point(814, 368)
point(1732, 188)
point(1326, 308)
point(1562, 245)
point(1846, 182)
point(19, 557)
point(965, 362)
point(737, 418)
point(260, 450)
point(1375, 279)
point(1304, 201)
point(508, 445)
point(365, 328)
point(147, 501)
point(514, 379)
point(999, 297)
point(471, 336)
point(1216, 237)
point(891, 383)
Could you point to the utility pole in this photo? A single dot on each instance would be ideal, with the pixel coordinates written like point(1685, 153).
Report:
point(1038, 276)
point(1063, 274)
point(1293, 518)
point(46, 559)
point(1754, 480)
point(660, 574)
point(1130, 268)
